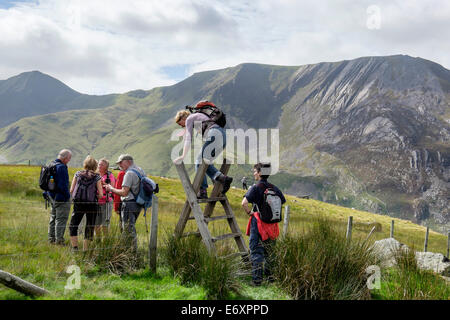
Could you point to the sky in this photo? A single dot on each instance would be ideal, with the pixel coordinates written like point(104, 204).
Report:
point(115, 46)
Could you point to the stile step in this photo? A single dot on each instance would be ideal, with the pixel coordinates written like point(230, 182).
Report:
point(217, 218)
point(214, 199)
point(226, 236)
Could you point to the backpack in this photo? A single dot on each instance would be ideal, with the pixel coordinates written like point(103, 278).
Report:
point(270, 211)
point(86, 188)
point(47, 173)
point(212, 111)
point(147, 187)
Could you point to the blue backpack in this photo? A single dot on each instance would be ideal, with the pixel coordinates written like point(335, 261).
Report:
point(146, 189)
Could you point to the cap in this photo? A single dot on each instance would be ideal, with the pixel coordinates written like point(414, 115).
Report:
point(124, 157)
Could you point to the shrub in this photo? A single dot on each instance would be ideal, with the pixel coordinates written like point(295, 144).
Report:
point(189, 259)
point(114, 253)
point(322, 264)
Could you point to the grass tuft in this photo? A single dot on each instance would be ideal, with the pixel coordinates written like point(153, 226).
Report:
point(322, 265)
point(189, 259)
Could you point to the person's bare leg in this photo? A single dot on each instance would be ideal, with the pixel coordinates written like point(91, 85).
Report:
point(86, 244)
point(74, 241)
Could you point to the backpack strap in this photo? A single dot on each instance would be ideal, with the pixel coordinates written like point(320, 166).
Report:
point(137, 173)
point(140, 179)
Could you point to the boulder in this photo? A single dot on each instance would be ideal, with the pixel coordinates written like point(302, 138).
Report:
point(386, 249)
point(434, 262)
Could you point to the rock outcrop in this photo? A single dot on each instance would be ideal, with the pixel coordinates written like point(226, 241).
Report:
point(386, 249)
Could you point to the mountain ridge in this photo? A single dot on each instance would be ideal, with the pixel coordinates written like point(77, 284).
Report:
point(371, 132)
point(36, 93)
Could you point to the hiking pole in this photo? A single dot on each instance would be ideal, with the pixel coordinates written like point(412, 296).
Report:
point(107, 181)
point(145, 220)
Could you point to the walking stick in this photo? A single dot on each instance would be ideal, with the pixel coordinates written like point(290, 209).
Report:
point(107, 181)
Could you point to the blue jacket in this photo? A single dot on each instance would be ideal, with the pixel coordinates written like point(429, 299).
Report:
point(62, 193)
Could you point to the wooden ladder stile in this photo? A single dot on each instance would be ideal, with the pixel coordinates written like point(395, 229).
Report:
point(203, 218)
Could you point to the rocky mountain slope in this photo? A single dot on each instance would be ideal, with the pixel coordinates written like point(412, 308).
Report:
point(370, 133)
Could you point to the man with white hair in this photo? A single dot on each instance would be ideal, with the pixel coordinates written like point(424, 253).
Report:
point(60, 199)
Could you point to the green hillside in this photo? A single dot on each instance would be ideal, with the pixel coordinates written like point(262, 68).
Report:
point(34, 93)
point(24, 249)
point(357, 133)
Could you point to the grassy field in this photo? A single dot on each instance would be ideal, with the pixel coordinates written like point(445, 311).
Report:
point(24, 250)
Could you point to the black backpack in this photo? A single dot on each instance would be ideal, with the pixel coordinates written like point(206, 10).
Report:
point(270, 211)
point(86, 188)
point(47, 173)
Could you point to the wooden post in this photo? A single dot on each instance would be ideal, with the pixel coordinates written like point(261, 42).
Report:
point(425, 246)
point(392, 229)
point(286, 220)
point(349, 228)
point(370, 233)
point(14, 282)
point(152, 246)
point(448, 245)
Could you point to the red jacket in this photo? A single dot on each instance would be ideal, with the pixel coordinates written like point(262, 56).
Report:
point(118, 185)
point(266, 230)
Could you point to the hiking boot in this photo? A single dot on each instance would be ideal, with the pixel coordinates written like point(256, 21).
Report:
point(202, 194)
point(256, 283)
point(61, 243)
point(74, 249)
point(226, 181)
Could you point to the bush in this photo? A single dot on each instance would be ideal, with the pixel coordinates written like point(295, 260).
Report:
point(189, 259)
point(114, 253)
point(322, 264)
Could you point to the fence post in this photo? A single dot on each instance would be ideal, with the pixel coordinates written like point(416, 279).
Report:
point(286, 220)
point(392, 229)
point(152, 246)
point(349, 228)
point(425, 246)
point(448, 245)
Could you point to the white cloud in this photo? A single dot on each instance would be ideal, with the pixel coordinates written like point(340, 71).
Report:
point(108, 46)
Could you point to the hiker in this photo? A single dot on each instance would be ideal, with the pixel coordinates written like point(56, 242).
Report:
point(60, 199)
point(128, 192)
point(244, 183)
point(105, 206)
point(212, 133)
point(262, 234)
point(86, 188)
point(117, 201)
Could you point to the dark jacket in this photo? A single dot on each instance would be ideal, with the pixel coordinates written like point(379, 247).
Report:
point(255, 194)
point(62, 193)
